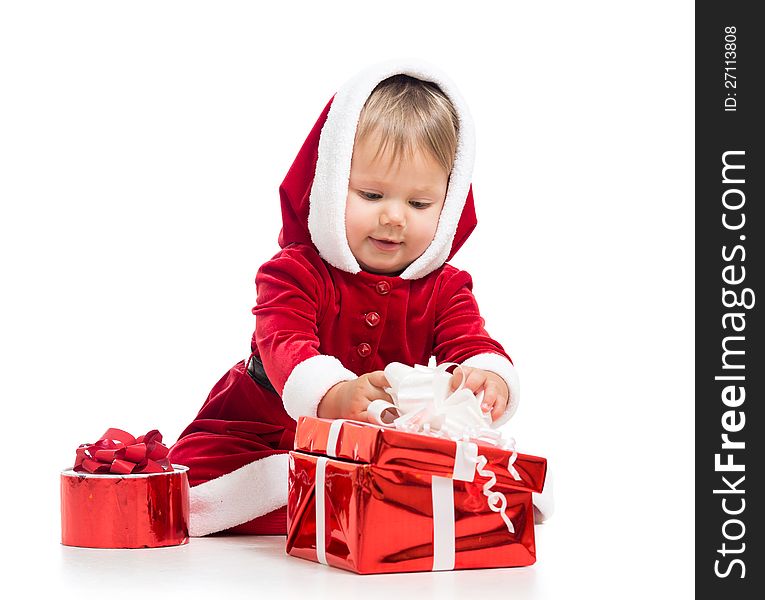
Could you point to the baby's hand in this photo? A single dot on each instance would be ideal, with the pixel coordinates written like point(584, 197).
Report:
point(350, 399)
point(495, 392)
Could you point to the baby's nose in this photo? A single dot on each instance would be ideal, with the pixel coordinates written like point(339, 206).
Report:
point(392, 214)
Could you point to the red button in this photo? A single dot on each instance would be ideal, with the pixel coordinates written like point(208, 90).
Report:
point(364, 350)
point(383, 287)
point(372, 319)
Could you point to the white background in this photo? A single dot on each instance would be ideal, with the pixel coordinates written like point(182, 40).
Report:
point(141, 149)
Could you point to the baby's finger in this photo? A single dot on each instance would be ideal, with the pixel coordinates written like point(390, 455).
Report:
point(378, 379)
point(499, 408)
point(381, 394)
point(475, 381)
point(458, 375)
point(499, 405)
point(359, 410)
point(378, 382)
point(489, 398)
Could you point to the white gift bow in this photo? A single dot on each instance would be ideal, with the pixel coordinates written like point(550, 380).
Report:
point(423, 404)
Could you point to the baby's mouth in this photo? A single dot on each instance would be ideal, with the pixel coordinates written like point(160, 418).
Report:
point(385, 245)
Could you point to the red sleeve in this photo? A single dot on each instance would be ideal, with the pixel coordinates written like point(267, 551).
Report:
point(290, 291)
point(459, 328)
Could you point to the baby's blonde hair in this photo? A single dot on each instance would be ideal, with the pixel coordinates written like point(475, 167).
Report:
point(411, 114)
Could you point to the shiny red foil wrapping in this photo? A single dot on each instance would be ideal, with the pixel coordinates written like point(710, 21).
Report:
point(392, 449)
point(125, 511)
point(379, 512)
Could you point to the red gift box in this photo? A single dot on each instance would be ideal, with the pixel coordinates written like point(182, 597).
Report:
point(124, 493)
point(395, 502)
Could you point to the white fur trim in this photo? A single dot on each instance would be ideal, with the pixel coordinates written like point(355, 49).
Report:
point(309, 381)
point(496, 363)
point(544, 503)
point(251, 491)
point(326, 216)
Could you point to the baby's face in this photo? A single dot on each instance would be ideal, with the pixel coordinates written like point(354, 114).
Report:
point(392, 210)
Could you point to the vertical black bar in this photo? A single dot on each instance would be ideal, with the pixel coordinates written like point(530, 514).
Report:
point(730, 66)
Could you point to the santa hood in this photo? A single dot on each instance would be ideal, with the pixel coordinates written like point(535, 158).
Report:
point(314, 192)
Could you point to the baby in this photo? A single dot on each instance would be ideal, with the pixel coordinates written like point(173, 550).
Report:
point(375, 203)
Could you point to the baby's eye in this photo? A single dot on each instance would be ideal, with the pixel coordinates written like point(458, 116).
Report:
point(418, 204)
point(370, 195)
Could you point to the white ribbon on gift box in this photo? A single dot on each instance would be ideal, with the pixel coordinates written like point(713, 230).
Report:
point(321, 546)
point(466, 462)
point(320, 488)
point(442, 493)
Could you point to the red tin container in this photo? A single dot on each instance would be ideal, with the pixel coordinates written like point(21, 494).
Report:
point(145, 510)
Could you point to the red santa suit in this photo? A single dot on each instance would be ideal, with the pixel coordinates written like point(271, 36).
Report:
point(321, 320)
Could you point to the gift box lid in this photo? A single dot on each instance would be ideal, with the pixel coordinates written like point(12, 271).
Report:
point(390, 448)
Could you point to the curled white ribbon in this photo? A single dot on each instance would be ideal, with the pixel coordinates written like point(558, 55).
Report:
point(496, 500)
point(422, 403)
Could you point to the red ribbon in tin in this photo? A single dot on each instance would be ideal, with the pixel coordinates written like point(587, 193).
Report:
point(119, 452)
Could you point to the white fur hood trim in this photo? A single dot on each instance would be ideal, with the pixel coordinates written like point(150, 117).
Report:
point(326, 218)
